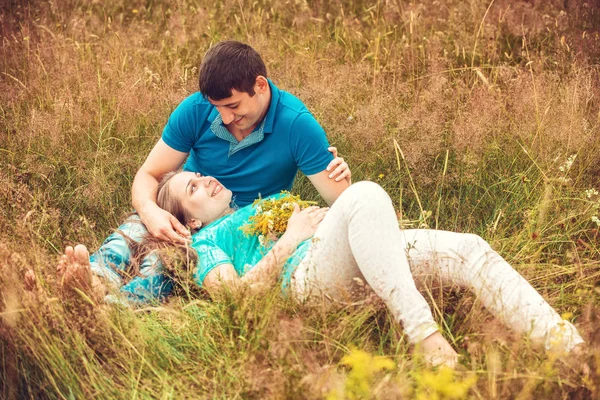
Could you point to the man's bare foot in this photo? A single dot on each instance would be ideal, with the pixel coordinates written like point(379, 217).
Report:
point(33, 294)
point(74, 272)
point(30, 281)
point(437, 351)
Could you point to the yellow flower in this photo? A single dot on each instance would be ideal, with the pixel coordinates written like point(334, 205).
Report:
point(443, 384)
point(363, 367)
point(272, 215)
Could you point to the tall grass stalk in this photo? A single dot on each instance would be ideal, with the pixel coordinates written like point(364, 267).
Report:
point(472, 110)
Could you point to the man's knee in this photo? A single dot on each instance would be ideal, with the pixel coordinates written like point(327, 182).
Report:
point(133, 228)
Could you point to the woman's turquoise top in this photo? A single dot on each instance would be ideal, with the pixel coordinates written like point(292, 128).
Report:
point(223, 242)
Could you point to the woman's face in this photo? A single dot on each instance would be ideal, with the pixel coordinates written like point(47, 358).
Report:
point(202, 197)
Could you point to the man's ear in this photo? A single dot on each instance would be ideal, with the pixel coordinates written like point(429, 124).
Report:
point(194, 224)
point(262, 84)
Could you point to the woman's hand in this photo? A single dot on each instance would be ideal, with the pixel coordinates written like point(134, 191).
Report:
point(303, 224)
point(338, 168)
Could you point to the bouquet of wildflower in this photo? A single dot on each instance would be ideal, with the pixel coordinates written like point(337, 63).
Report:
point(272, 215)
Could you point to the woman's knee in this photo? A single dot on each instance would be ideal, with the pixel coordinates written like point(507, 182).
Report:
point(367, 192)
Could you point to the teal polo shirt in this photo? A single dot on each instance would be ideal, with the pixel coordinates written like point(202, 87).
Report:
point(266, 161)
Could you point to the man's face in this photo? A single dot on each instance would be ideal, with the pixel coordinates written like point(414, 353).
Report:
point(243, 111)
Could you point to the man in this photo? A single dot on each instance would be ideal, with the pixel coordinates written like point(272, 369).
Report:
point(241, 129)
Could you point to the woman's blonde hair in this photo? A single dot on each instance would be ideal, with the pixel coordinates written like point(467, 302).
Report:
point(172, 255)
point(168, 202)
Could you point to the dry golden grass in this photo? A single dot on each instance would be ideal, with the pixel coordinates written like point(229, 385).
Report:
point(486, 99)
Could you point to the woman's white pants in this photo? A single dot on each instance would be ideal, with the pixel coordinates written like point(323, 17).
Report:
point(360, 238)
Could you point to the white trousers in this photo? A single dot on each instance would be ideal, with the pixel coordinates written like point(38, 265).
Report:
point(360, 238)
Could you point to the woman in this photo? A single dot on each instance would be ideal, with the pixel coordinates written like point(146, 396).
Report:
point(358, 237)
point(145, 283)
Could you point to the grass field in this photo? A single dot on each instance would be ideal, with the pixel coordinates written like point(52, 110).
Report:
point(476, 116)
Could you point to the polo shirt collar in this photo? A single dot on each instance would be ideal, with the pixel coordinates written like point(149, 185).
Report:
point(270, 117)
point(221, 132)
point(213, 114)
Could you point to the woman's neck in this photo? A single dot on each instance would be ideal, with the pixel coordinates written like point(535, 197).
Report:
point(228, 211)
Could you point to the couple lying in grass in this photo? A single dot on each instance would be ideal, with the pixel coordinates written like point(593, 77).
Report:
point(322, 252)
point(255, 137)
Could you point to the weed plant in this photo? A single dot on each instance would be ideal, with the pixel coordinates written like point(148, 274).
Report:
point(476, 116)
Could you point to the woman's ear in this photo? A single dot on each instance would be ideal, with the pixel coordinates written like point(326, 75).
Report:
point(194, 224)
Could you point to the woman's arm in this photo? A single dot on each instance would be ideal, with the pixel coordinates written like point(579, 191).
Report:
point(259, 278)
point(301, 226)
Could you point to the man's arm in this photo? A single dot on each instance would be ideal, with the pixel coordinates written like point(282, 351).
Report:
point(328, 188)
point(161, 224)
point(310, 149)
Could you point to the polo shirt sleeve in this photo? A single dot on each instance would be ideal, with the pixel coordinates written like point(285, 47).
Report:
point(210, 256)
point(183, 126)
point(308, 144)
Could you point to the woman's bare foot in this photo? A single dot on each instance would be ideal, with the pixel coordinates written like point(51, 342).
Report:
point(74, 272)
point(577, 359)
point(437, 351)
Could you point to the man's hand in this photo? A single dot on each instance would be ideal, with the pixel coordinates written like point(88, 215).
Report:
point(338, 168)
point(163, 225)
point(160, 224)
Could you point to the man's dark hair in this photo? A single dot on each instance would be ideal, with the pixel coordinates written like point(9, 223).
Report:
point(230, 65)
